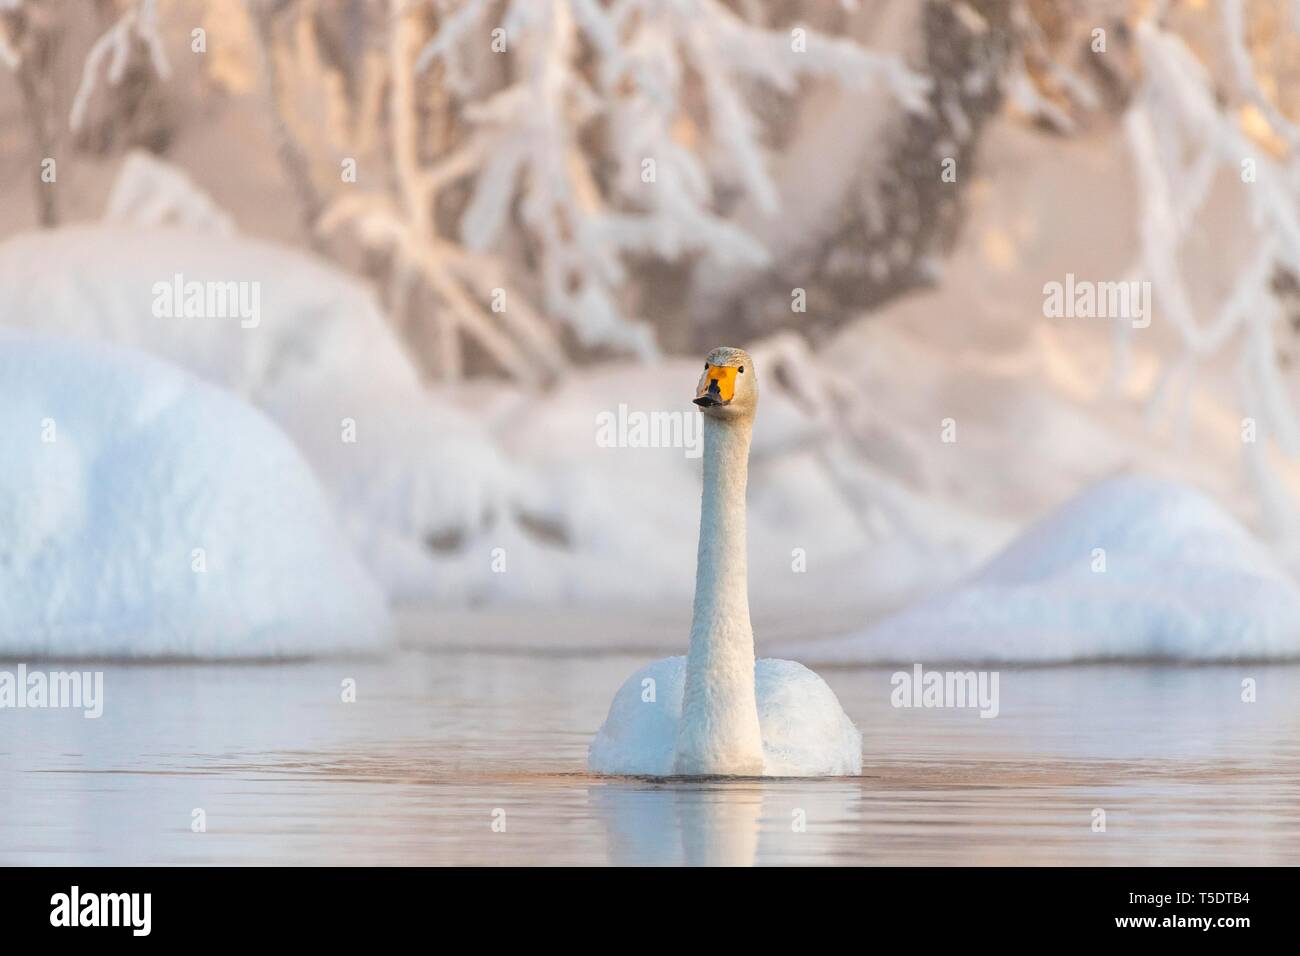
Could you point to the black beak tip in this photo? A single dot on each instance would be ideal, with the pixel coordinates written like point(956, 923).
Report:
point(706, 401)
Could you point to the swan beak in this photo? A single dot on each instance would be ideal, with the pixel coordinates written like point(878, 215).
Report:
point(717, 386)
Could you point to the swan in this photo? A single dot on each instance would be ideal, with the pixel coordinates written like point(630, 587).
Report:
point(717, 711)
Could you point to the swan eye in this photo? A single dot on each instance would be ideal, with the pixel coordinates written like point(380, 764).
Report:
point(706, 366)
point(741, 369)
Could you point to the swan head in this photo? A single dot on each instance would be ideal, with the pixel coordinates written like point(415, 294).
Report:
point(727, 389)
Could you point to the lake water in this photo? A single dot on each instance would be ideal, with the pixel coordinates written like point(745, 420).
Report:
point(440, 743)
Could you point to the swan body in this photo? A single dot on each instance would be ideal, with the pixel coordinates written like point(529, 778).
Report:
point(804, 730)
point(718, 711)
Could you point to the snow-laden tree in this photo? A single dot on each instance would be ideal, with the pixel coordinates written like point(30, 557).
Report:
point(592, 139)
point(543, 149)
point(870, 193)
point(527, 165)
point(39, 44)
point(1186, 131)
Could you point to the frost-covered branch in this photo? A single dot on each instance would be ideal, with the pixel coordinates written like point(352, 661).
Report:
point(1233, 16)
point(462, 281)
point(591, 143)
point(9, 57)
point(138, 22)
point(1182, 138)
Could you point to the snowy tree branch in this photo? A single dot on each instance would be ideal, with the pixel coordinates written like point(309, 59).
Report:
point(140, 21)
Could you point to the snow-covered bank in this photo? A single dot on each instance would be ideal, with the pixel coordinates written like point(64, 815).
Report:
point(487, 494)
point(144, 513)
point(454, 498)
point(1130, 568)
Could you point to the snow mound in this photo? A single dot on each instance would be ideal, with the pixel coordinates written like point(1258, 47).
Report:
point(146, 514)
point(1130, 568)
point(150, 191)
point(805, 730)
point(402, 462)
point(313, 325)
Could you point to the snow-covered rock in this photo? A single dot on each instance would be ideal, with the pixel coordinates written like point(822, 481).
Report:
point(144, 513)
point(805, 730)
point(1130, 568)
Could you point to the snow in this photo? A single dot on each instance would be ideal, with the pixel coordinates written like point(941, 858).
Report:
point(144, 513)
point(805, 730)
point(320, 356)
point(316, 326)
point(849, 471)
point(151, 192)
point(426, 490)
point(1130, 568)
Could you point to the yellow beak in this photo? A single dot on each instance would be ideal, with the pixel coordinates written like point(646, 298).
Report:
point(717, 385)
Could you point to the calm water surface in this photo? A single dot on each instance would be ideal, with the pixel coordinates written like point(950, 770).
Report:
point(441, 743)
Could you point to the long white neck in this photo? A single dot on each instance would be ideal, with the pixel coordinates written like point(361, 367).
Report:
point(719, 732)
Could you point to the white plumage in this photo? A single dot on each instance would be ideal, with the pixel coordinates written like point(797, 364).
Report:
point(717, 711)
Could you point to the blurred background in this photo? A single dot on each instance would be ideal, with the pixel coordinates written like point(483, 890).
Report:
point(479, 225)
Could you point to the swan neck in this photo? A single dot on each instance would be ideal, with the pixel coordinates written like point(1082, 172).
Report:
point(721, 576)
point(719, 731)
